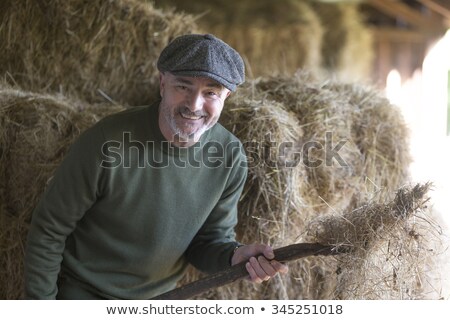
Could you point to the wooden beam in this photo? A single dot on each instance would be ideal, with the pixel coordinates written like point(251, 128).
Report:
point(400, 10)
point(438, 8)
point(398, 35)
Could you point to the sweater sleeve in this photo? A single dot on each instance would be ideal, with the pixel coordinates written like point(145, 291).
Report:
point(70, 193)
point(210, 250)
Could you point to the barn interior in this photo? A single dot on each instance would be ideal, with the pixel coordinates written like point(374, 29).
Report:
point(374, 74)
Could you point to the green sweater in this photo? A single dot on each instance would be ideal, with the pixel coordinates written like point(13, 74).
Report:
point(125, 211)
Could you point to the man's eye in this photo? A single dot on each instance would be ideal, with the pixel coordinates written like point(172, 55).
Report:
point(182, 87)
point(212, 93)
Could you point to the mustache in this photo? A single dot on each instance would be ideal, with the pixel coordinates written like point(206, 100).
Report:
point(185, 110)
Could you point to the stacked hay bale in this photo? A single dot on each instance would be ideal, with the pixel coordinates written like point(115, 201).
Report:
point(279, 37)
point(97, 51)
point(287, 188)
point(274, 37)
point(326, 119)
point(380, 133)
point(35, 133)
point(372, 132)
point(347, 45)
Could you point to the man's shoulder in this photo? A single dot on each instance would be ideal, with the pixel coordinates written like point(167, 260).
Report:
point(134, 120)
point(233, 148)
point(122, 118)
point(137, 121)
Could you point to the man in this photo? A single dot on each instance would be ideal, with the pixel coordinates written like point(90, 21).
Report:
point(146, 191)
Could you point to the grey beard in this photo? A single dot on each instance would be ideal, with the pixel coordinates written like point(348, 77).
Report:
point(183, 136)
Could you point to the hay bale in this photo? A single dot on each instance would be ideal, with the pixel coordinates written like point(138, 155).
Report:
point(12, 232)
point(276, 203)
point(204, 11)
point(273, 193)
point(380, 133)
point(347, 45)
point(376, 137)
point(96, 50)
point(274, 37)
point(35, 133)
point(326, 119)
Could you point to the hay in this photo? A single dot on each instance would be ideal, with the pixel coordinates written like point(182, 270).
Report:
point(380, 133)
point(326, 119)
point(204, 11)
point(347, 46)
point(97, 51)
point(392, 247)
point(359, 228)
point(376, 149)
point(276, 202)
point(35, 133)
point(274, 188)
point(274, 37)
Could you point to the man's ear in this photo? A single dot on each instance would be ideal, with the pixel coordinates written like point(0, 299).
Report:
point(161, 83)
point(228, 94)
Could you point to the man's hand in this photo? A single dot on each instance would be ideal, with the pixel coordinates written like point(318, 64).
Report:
point(260, 265)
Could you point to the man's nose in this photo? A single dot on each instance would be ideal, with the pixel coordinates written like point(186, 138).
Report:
point(196, 102)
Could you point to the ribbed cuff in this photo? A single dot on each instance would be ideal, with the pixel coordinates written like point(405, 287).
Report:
point(236, 246)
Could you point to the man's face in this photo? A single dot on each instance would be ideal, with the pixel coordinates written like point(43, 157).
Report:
point(189, 107)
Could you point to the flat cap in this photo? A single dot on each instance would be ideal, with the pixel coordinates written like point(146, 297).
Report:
point(196, 55)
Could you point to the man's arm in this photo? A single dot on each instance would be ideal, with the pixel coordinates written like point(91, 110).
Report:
point(72, 190)
point(211, 249)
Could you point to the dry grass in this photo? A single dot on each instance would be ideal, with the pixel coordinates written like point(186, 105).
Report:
point(380, 133)
point(393, 246)
point(347, 46)
point(274, 37)
point(279, 37)
point(359, 228)
point(325, 117)
point(97, 50)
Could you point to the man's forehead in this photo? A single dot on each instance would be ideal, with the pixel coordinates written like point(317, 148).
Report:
point(192, 80)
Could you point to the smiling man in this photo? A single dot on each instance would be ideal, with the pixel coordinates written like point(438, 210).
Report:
point(189, 107)
point(128, 231)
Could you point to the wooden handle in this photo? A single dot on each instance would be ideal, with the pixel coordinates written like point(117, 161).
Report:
point(283, 254)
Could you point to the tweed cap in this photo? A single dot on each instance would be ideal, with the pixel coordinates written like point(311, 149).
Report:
point(196, 55)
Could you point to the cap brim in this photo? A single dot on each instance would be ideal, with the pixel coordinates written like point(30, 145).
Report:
point(215, 77)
